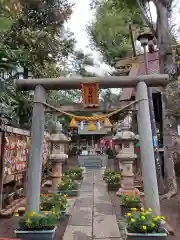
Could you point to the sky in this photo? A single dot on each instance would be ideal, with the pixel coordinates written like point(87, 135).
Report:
point(82, 15)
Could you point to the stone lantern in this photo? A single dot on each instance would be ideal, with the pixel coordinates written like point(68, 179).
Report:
point(126, 157)
point(57, 157)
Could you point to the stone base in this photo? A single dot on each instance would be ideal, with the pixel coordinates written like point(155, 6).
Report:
point(127, 191)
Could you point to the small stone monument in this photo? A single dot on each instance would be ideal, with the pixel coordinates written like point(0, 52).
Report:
point(57, 157)
point(126, 157)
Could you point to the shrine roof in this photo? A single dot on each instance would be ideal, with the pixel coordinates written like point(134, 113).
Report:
point(153, 68)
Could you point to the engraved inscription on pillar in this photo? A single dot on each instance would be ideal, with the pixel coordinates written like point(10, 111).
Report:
point(90, 95)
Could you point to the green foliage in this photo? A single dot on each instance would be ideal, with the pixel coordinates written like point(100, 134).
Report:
point(108, 172)
point(33, 221)
point(172, 93)
point(113, 179)
point(31, 36)
point(109, 152)
point(56, 202)
point(67, 184)
point(143, 222)
point(131, 200)
point(80, 62)
point(75, 173)
point(109, 32)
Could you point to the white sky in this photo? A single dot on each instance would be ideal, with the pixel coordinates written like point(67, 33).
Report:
point(81, 16)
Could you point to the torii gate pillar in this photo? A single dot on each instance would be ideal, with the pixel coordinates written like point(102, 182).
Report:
point(147, 150)
point(35, 158)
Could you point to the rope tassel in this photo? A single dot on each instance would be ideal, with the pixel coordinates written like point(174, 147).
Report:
point(91, 126)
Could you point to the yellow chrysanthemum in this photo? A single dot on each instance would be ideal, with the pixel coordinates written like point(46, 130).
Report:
point(129, 214)
point(31, 214)
point(150, 209)
point(133, 209)
point(28, 222)
point(132, 220)
point(142, 209)
point(163, 218)
point(143, 218)
point(144, 228)
point(153, 225)
point(157, 218)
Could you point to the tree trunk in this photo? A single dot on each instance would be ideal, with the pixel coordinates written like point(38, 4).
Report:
point(167, 65)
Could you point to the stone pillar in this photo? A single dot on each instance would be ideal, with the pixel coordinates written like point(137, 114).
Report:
point(147, 150)
point(57, 157)
point(126, 157)
point(35, 157)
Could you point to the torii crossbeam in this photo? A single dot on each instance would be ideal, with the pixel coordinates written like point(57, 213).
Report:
point(144, 126)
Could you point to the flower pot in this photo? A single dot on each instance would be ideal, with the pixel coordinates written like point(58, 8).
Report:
point(145, 236)
point(70, 193)
point(36, 235)
point(124, 210)
point(113, 187)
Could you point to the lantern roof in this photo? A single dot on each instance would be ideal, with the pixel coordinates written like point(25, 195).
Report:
point(59, 136)
point(124, 135)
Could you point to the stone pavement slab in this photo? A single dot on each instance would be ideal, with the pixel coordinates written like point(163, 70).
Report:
point(81, 217)
point(105, 226)
point(92, 215)
point(70, 207)
point(78, 233)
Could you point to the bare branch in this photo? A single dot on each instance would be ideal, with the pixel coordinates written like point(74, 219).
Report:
point(145, 18)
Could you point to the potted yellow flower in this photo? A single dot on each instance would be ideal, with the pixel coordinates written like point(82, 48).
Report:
point(37, 226)
point(142, 225)
point(68, 187)
point(75, 173)
point(130, 202)
point(55, 201)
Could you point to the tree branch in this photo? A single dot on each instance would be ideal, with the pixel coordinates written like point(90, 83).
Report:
point(144, 17)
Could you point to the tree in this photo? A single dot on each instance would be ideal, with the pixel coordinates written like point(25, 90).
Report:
point(162, 31)
point(36, 38)
point(109, 32)
point(167, 65)
point(164, 36)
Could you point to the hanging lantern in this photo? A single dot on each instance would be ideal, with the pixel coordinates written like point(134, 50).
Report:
point(91, 126)
point(90, 95)
point(73, 123)
point(107, 123)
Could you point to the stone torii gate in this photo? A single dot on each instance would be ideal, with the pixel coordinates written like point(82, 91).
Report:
point(140, 83)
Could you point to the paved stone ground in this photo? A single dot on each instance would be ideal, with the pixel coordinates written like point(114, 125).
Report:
point(92, 216)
